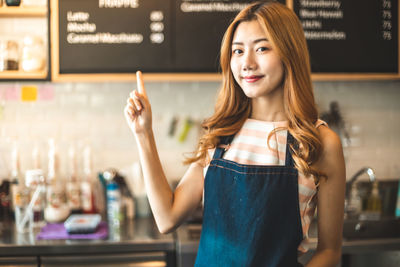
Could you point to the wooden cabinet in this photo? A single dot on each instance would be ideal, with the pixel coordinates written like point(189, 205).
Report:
point(21, 11)
point(9, 13)
point(134, 259)
point(18, 261)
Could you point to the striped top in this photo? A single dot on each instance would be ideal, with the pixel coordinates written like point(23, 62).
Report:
point(249, 146)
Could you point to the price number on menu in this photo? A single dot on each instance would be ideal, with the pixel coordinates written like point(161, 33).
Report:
point(157, 27)
point(387, 23)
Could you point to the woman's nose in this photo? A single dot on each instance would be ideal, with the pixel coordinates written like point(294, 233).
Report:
point(249, 62)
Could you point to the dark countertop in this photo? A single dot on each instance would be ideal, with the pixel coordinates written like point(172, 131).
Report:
point(136, 235)
point(141, 235)
point(188, 240)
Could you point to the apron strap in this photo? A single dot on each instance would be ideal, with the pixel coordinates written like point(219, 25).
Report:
point(290, 141)
point(222, 147)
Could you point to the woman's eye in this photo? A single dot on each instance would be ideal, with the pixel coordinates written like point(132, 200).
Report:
point(236, 51)
point(262, 49)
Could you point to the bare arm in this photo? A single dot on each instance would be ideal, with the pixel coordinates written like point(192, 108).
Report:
point(331, 194)
point(169, 208)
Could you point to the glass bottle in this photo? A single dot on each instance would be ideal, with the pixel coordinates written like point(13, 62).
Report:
point(12, 55)
point(3, 55)
point(113, 194)
point(87, 183)
point(57, 209)
point(73, 190)
point(34, 180)
point(374, 202)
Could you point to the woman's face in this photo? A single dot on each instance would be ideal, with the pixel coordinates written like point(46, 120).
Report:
point(255, 65)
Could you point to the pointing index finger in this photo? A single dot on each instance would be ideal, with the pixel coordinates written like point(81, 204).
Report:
point(140, 83)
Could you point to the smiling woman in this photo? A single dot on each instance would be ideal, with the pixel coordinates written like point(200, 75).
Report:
point(265, 158)
point(257, 68)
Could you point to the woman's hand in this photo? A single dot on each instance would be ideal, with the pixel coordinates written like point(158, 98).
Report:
point(138, 110)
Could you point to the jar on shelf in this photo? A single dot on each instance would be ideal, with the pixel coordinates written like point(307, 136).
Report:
point(12, 55)
point(3, 55)
point(33, 54)
point(13, 2)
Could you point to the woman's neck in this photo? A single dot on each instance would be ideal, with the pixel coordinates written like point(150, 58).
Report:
point(269, 108)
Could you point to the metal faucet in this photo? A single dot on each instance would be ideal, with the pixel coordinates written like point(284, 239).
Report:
point(368, 170)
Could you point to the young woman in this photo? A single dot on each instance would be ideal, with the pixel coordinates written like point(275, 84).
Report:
point(264, 159)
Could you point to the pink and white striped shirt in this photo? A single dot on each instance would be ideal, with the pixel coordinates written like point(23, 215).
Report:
point(249, 146)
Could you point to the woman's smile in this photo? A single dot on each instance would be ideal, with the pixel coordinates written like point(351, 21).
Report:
point(253, 78)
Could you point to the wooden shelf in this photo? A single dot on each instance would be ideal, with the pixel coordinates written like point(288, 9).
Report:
point(354, 76)
point(148, 77)
point(21, 75)
point(205, 77)
point(23, 11)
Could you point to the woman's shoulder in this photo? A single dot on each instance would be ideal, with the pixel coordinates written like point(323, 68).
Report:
point(331, 147)
point(320, 123)
point(329, 139)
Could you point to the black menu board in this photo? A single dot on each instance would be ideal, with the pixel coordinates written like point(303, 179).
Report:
point(184, 36)
point(351, 36)
point(106, 36)
point(100, 36)
point(199, 29)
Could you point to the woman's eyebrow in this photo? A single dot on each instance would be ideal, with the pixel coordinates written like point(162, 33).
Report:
point(255, 41)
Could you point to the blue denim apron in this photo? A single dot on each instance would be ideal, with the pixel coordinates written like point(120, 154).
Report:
point(251, 214)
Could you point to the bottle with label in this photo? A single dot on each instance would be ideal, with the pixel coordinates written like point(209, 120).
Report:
point(397, 212)
point(113, 194)
point(113, 204)
point(374, 202)
point(73, 188)
point(57, 209)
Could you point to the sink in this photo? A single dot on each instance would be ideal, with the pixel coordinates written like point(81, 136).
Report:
point(371, 229)
point(365, 229)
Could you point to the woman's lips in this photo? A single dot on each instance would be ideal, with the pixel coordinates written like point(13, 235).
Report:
point(252, 79)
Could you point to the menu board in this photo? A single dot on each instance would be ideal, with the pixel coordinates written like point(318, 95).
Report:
point(351, 36)
point(199, 29)
point(108, 36)
point(100, 36)
point(184, 36)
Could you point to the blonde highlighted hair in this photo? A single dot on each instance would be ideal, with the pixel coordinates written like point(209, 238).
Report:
point(233, 107)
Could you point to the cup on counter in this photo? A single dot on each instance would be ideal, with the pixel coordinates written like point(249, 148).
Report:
point(23, 216)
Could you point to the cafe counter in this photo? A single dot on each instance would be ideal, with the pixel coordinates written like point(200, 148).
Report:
point(134, 243)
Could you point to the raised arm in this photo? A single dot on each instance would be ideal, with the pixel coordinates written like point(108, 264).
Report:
point(169, 208)
point(330, 201)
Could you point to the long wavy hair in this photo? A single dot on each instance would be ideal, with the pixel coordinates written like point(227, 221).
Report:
point(233, 107)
